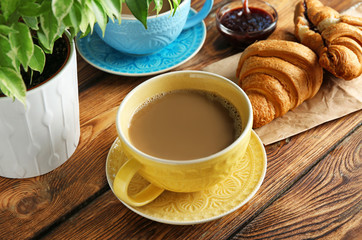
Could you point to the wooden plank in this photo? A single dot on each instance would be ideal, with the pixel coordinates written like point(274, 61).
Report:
point(288, 161)
point(30, 206)
point(325, 204)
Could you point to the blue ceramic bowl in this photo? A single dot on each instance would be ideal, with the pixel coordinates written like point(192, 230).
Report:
point(131, 36)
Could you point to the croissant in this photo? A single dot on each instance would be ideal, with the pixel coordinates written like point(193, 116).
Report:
point(337, 39)
point(277, 76)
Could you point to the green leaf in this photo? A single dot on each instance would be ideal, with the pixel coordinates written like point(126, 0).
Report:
point(113, 8)
point(50, 29)
point(8, 7)
point(32, 22)
point(176, 3)
point(12, 84)
point(139, 10)
point(6, 30)
point(61, 8)
point(37, 61)
point(29, 9)
point(85, 32)
point(82, 1)
point(5, 53)
point(100, 15)
point(74, 18)
point(2, 19)
point(158, 5)
point(21, 43)
point(88, 18)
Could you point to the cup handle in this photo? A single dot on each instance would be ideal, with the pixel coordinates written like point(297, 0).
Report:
point(192, 21)
point(121, 183)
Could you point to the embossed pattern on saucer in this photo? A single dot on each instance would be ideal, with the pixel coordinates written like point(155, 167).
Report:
point(97, 53)
point(203, 206)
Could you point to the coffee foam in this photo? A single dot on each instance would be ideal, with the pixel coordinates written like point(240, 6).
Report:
point(233, 112)
point(212, 96)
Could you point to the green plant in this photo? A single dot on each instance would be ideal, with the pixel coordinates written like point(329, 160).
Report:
point(29, 28)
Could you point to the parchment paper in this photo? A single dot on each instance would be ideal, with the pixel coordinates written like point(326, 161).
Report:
point(336, 98)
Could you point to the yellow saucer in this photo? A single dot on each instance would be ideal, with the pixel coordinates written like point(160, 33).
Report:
point(203, 206)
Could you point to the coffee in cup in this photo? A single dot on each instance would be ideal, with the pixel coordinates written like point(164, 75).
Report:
point(169, 101)
point(184, 125)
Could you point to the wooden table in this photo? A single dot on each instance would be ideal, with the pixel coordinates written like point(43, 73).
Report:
point(312, 187)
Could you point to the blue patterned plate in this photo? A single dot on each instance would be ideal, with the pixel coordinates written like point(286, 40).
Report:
point(100, 55)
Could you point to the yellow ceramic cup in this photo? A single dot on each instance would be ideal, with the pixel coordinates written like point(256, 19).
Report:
point(178, 176)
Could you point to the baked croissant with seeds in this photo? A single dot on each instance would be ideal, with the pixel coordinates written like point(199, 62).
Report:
point(277, 76)
point(337, 39)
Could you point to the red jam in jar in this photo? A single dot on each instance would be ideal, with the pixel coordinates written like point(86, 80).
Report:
point(241, 28)
point(257, 20)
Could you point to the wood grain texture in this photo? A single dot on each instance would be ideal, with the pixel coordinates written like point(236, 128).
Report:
point(325, 204)
point(288, 162)
point(75, 202)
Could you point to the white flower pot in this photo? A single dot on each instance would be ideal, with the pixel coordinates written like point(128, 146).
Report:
point(38, 138)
